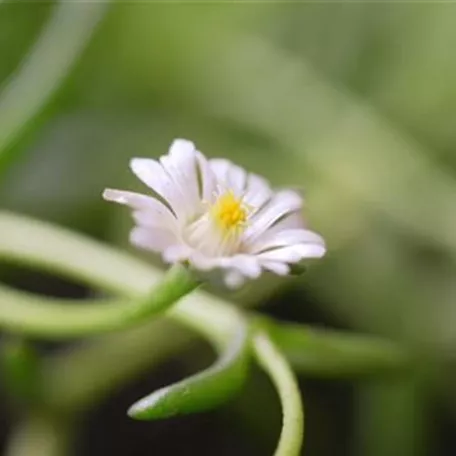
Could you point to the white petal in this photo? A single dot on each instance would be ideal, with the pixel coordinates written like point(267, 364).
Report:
point(155, 177)
point(155, 239)
point(154, 219)
point(293, 221)
point(247, 265)
point(293, 254)
point(233, 279)
point(132, 199)
point(276, 267)
point(203, 262)
point(178, 222)
point(176, 253)
point(157, 213)
point(182, 148)
point(229, 175)
point(284, 238)
point(282, 203)
point(220, 168)
point(180, 165)
point(207, 177)
point(237, 267)
point(257, 192)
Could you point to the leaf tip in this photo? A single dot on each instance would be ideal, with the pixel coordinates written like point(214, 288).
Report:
point(148, 408)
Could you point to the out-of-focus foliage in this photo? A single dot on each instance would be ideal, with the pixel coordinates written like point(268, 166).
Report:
point(353, 102)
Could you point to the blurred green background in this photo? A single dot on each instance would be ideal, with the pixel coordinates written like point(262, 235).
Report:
point(354, 103)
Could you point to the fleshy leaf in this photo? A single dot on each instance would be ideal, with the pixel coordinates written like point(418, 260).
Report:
point(204, 390)
point(330, 353)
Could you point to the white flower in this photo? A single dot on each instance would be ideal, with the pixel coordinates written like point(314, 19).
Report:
point(213, 214)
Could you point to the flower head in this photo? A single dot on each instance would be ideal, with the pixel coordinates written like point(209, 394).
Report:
point(214, 215)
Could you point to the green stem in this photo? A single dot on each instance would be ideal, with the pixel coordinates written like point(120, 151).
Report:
point(276, 366)
point(61, 251)
point(46, 66)
point(30, 314)
point(64, 252)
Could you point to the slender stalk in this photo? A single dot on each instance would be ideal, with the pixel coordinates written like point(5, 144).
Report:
point(36, 243)
point(63, 252)
point(44, 69)
point(32, 315)
point(39, 244)
point(276, 366)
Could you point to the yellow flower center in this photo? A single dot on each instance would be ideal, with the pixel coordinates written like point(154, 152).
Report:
point(229, 212)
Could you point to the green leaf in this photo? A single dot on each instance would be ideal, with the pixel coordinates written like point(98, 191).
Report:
point(330, 353)
point(203, 391)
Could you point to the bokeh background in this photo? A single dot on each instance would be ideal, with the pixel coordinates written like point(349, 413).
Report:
point(352, 102)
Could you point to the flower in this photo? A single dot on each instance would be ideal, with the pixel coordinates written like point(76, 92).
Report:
point(212, 214)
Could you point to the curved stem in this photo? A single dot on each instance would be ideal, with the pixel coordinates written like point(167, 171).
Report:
point(46, 66)
point(64, 252)
point(276, 366)
point(58, 250)
point(30, 314)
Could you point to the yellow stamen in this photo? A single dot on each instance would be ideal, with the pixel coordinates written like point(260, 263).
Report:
point(229, 212)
